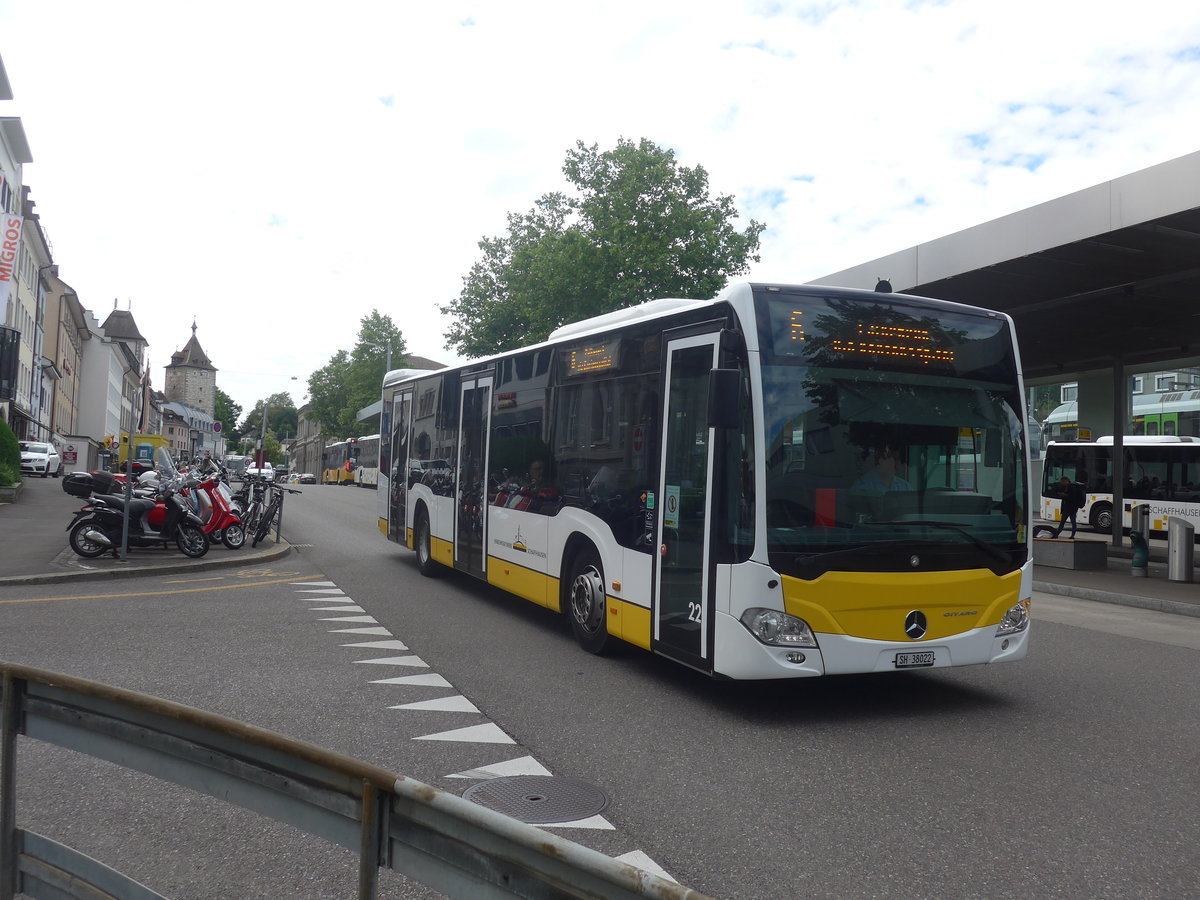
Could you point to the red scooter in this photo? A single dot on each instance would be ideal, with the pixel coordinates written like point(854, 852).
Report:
point(211, 505)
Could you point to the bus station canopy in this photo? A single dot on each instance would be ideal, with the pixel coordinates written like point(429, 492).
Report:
point(1106, 276)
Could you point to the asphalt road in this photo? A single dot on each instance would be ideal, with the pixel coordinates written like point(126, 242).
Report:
point(1073, 773)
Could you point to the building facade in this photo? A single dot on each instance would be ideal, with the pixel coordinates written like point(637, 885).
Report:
point(14, 381)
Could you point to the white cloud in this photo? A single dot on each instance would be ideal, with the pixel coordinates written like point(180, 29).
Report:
point(278, 169)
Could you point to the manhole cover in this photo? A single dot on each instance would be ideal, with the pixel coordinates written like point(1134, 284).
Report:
point(539, 799)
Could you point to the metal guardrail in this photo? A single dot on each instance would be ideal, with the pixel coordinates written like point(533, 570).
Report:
point(448, 843)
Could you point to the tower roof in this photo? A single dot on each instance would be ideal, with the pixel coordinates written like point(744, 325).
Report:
point(192, 355)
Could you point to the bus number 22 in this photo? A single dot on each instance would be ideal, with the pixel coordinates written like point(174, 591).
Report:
point(695, 612)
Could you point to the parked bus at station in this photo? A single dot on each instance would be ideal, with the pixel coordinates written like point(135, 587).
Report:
point(366, 462)
point(783, 481)
point(1163, 471)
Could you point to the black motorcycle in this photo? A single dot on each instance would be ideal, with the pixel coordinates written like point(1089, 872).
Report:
point(96, 528)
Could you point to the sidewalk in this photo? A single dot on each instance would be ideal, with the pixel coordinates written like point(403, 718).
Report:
point(33, 545)
point(1117, 584)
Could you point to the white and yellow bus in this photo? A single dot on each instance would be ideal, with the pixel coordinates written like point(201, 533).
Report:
point(783, 481)
point(366, 461)
point(1162, 471)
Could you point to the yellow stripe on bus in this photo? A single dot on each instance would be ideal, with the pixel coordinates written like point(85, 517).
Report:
point(441, 551)
point(629, 622)
point(528, 584)
point(873, 605)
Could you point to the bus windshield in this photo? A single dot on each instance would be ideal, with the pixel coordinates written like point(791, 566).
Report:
point(893, 431)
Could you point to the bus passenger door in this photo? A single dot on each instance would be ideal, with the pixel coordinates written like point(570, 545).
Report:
point(682, 605)
point(470, 493)
point(396, 467)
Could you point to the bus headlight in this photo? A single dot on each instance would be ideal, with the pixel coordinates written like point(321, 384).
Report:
point(1015, 620)
point(778, 628)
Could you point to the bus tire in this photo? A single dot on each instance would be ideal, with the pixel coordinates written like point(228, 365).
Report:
point(423, 544)
point(585, 601)
point(1101, 517)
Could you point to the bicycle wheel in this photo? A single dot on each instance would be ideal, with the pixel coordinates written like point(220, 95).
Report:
point(265, 520)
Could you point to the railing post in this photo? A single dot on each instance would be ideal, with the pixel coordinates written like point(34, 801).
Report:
point(8, 792)
point(368, 850)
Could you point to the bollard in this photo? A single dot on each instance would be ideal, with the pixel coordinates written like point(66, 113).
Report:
point(1139, 519)
point(1181, 536)
point(1141, 554)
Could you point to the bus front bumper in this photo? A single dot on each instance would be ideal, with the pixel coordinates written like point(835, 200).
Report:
point(744, 657)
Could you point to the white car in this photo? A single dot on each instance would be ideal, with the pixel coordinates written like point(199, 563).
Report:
point(267, 471)
point(39, 458)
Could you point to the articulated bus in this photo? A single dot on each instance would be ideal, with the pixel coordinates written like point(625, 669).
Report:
point(778, 482)
point(338, 465)
point(366, 462)
point(1162, 470)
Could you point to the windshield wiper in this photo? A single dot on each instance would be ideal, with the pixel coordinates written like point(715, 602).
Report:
point(805, 558)
point(955, 527)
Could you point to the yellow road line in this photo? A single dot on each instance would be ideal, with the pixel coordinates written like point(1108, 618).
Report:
point(226, 587)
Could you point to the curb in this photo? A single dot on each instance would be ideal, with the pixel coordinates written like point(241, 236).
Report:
point(1152, 603)
point(134, 570)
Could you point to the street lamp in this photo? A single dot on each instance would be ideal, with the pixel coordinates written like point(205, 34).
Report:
point(387, 347)
point(259, 458)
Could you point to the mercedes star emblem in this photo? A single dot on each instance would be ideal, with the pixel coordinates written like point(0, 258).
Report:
point(916, 625)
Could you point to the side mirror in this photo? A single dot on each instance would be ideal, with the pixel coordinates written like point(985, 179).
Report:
point(724, 398)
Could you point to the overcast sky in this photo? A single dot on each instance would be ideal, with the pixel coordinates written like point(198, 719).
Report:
point(275, 170)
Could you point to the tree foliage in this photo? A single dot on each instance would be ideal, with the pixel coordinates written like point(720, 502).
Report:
point(10, 455)
point(282, 417)
point(639, 227)
point(228, 414)
point(353, 378)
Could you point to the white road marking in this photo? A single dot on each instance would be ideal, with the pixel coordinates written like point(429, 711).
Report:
point(598, 823)
point(394, 661)
point(456, 703)
point(640, 860)
point(430, 680)
point(379, 630)
point(380, 645)
point(488, 733)
point(522, 765)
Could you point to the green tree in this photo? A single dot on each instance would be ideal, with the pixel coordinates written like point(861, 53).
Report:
point(10, 455)
point(272, 448)
point(227, 413)
point(353, 379)
point(639, 227)
point(281, 417)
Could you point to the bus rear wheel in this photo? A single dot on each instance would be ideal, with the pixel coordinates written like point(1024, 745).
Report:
point(1101, 518)
point(585, 602)
point(423, 541)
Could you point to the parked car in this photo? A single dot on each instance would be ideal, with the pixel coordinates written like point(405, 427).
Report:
point(308, 478)
point(39, 458)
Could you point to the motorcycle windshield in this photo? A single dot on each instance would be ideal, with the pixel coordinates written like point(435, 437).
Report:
point(164, 463)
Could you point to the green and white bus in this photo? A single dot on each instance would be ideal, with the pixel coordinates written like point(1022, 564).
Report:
point(782, 481)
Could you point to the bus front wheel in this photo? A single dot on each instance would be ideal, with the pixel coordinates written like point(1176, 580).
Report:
point(423, 540)
point(586, 601)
